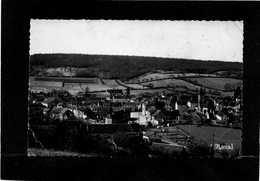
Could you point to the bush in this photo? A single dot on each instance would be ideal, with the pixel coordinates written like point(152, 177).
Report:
point(102, 144)
point(46, 134)
point(132, 142)
point(200, 149)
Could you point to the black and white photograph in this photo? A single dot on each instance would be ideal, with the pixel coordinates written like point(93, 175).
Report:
point(135, 88)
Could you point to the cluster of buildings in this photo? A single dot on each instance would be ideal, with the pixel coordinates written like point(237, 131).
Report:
point(120, 107)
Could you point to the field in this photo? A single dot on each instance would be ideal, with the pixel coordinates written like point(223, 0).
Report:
point(149, 91)
point(173, 135)
point(150, 76)
point(216, 83)
point(150, 82)
point(171, 83)
point(198, 140)
point(221, 134)
point(98, 73)
point(87, 80)
point(188, 81)
point(160, 75)
point(111, 83)
point(73, 85)
point(131, 85)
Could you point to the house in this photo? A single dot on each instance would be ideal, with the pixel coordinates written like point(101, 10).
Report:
point(108, 120)
point(144, 117)
point(79, 114)
point(48, 102)
point(61, 113)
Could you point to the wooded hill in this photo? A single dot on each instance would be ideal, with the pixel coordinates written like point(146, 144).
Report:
point(126, 67)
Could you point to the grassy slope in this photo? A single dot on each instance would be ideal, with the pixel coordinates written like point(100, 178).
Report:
point(131, 68)
point(171, 83)
point(215, 83)
point(150, 76)
point(222, 135)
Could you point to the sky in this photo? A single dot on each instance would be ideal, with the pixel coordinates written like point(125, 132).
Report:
point(204, 40)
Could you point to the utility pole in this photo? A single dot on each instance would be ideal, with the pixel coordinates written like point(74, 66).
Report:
point(213, 143)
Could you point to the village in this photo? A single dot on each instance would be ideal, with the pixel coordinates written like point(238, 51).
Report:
point(157, 119)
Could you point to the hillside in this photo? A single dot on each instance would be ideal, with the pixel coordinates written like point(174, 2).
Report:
point(122, 67)
point(217, 83)
point(171, 83)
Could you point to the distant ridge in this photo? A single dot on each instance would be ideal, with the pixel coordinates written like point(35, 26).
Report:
point(124, 67)
point(123, 56)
